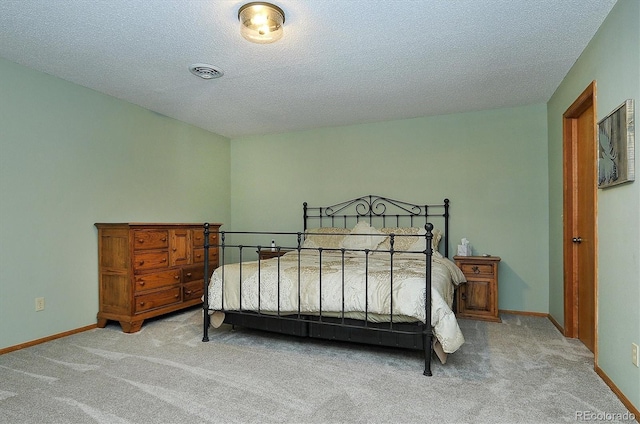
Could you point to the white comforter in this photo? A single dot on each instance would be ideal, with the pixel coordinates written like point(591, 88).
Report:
point(408, 289)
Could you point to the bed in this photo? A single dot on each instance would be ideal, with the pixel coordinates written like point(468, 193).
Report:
point(360, 271)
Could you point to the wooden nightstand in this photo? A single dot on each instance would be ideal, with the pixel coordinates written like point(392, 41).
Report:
point(478, 297)
point(268, 253)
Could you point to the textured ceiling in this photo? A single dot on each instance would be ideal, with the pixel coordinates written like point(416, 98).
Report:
point(340, 62)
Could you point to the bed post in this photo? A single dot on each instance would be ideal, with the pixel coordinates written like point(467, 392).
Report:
point(205, 303)
point(304, 215)
point(446, 228)
point(427, 331)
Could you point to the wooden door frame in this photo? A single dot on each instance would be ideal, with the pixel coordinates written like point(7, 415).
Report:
point(570, 142)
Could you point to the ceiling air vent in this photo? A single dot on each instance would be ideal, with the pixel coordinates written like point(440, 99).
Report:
point(205, 71)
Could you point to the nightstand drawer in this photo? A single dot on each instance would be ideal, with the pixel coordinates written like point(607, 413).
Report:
point(471, 269)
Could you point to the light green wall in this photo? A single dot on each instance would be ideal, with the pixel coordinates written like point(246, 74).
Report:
point(491, 164)
point(70, 157)
point(612, 59)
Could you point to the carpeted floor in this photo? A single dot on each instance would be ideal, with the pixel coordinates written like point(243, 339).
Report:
point(520, 371)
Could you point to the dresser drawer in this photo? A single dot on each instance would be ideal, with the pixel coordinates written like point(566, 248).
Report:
point(157, 299)
point(156, 280)
point(198, 238)
point(198, 256)
point(193, 273)
point(193, 279)
point(193, 290)
point(150, 239)
point(471, 269)
point(150, 260)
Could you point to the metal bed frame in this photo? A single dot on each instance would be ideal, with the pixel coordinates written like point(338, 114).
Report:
point(380, 212)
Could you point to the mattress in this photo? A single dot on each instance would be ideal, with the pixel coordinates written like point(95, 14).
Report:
point(354, 285)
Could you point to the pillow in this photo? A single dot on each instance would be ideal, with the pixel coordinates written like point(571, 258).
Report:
point(435, 242)
point(324, 237)
point(419, 244)
point(410, 243)
point(363, 236)
point(400, 243)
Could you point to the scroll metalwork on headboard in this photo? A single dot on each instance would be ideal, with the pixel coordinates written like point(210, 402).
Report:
point(379, 211)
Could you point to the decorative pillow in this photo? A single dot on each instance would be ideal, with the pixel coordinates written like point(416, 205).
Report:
point(435, 242)
point(419, 244)
point(363, 236)
point(410, 243)
point(324, 237)
point(400, 243)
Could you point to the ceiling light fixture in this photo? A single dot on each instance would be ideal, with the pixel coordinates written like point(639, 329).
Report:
point(261, 22)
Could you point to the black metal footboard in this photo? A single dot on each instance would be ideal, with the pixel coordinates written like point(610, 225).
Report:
point(323, 324)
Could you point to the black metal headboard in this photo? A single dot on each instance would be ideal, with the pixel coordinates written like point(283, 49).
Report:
point(380, 212)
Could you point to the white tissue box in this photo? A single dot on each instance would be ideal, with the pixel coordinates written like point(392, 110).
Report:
point(464, 250)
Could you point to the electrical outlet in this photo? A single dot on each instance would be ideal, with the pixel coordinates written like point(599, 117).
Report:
point(39, 304)
point(635, 355)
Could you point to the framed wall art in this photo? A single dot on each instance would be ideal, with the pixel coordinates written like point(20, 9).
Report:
point(616, 146)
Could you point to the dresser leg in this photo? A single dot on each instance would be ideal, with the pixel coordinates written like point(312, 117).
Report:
point(131, 327)
point(102, 322)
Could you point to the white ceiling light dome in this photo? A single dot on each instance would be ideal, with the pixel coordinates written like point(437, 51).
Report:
point(261, 22)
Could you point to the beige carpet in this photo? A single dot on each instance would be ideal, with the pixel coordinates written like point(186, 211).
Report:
point(520, 371)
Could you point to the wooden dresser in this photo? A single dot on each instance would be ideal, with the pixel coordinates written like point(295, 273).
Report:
point(478, 297)
point(146, 270)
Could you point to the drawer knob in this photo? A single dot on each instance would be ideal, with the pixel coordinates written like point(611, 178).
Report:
point(140, 241)
point(164, 259)
point(176, 296)
point(177, 277)
point(475, 269)
point(188, 292)
point(141, 262)
point(188, 274)
point(163, 239)
point(198, 255)
point(141, 303)
point(141, 282)
point(464, 296)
